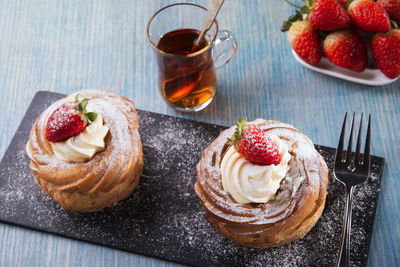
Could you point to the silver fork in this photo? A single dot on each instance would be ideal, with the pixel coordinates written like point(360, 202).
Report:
point(351, 170)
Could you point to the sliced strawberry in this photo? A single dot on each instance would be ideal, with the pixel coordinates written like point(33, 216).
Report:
point(386, 52)
point(254, 144)
point(328, 15)
point(346, 49)
point(368, 16)
point(68, 120)
point(305, 42)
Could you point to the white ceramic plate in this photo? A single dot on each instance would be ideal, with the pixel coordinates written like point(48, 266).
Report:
point(370, 76)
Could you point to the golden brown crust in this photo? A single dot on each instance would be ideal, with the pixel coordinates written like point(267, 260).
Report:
point(296, 208)
point(110, 176)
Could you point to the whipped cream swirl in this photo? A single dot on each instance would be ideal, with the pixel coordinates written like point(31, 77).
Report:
point(83, 146)
point(247, 182)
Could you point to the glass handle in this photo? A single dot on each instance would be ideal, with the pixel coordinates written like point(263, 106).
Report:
point(225, 47)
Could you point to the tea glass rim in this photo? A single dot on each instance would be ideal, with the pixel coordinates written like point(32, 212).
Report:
point(154, 46)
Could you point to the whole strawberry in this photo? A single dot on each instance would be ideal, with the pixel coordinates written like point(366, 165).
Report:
point(346, 49)
point(392, 7)
point(254, 144)
point(68, 120)
point(368, 16)
point(305, 41)
point(386, 52)
point(328, 15)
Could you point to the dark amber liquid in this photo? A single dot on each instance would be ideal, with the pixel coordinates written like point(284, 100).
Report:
point(189, 80)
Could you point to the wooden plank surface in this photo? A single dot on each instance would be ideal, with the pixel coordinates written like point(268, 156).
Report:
point(64, 46)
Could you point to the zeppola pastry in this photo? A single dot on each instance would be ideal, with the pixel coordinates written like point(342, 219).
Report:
point(262, 184)
point(85, 150)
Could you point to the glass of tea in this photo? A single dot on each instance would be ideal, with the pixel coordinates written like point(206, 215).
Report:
point(186, 73)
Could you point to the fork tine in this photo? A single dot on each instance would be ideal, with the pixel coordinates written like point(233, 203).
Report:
point(358, 148)
point(367, 149)
point(348, 157)
point(339, 150)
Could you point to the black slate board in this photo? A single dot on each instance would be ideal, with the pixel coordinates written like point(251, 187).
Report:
point(163, 217)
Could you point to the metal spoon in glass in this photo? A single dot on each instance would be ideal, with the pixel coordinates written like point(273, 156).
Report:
point(212, 13)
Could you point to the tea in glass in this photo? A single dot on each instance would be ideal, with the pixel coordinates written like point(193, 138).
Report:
point(186, 74)
point(186, 82)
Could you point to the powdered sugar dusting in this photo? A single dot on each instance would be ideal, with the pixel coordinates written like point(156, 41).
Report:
point(90, 185)
point(110, 108)
point(305, 161)
point(163, 217)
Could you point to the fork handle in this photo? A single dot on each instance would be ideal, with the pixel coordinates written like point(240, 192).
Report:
point(344, 253)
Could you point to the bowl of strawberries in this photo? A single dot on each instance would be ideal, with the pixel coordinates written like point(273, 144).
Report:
point(355, 40)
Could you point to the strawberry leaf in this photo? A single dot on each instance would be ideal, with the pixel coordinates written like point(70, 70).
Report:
point(92, 116)
point(305, 9)
point(240, 123)
point(286, 25)
point(82, 105)
point(84, 118)
point(309, 3)
point(296, 17)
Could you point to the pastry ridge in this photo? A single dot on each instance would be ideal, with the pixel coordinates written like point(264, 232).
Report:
point(295, 210)
point(111, 175)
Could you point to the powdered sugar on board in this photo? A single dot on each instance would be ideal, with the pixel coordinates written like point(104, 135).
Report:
point(163, 217)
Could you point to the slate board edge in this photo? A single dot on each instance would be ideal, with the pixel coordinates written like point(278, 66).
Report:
point(26, 117)
point(94, 243)
point(381, 163)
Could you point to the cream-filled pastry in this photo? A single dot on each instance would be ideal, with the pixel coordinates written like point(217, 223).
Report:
point(263, 185)
point(85, 150)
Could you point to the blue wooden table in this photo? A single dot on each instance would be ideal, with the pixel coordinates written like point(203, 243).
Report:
point(67, 45)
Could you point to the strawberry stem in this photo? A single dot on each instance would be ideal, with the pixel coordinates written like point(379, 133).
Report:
point(302, 10)
point(305, 9)
point(240, 123)
point(290, 3)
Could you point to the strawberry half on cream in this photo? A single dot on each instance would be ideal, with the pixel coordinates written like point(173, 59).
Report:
point(74, 133)
point(254, 165)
